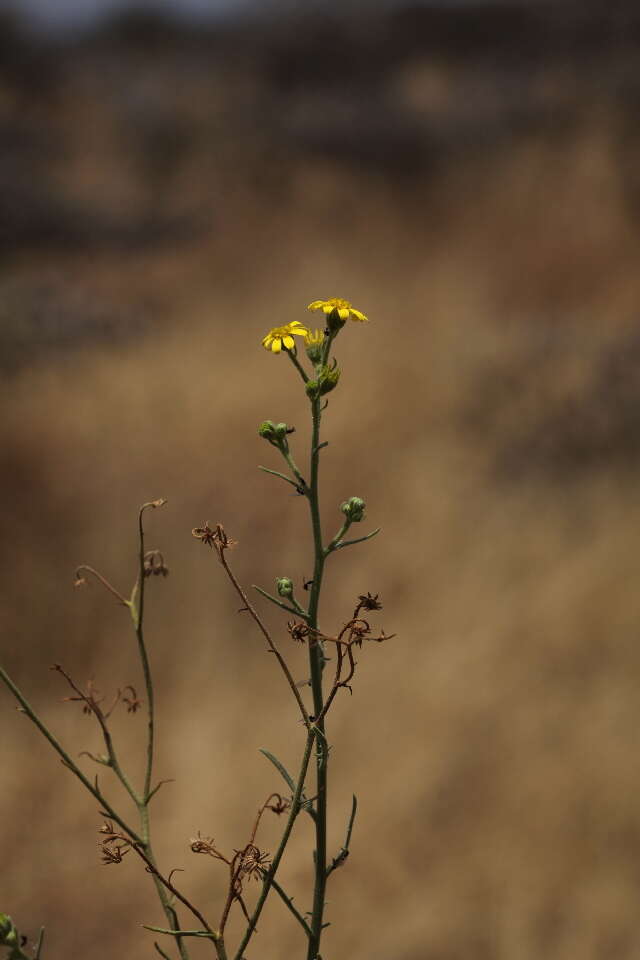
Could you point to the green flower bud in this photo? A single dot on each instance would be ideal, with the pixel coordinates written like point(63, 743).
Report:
point(327, 380)
point(353, 509)
point(312, 388)
point(284, 586)
point(8, 933)
point(267, 430)
point(275, 433)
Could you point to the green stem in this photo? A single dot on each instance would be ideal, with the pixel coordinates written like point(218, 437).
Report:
point(286, 899)
point(316, 663)
point(143, 802)
point(142, 650)
point(297, 609)
point(66, 759)
point(340, 544)
point(276, 473)
point(294, 360)
point(293, 813)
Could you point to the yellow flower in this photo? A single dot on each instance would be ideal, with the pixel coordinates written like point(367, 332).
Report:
point(283, 336)
point(343, 307)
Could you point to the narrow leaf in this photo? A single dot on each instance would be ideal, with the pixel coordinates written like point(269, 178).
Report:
point(280, 768)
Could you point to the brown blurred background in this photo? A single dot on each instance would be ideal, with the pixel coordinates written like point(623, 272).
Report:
point(468, 176)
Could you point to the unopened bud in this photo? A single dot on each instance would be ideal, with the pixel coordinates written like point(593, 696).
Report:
point(327, 380)
point(8, 933)
point(275, 433)
point(284, 587)
point(353, 509)
point(267, 430)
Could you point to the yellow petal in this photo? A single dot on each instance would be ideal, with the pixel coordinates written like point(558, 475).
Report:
point(276, 346)
point(343, 313)
point(289, 342)
point(316, 305)
point(327, 308)
point(266, 341)
point(356, 315)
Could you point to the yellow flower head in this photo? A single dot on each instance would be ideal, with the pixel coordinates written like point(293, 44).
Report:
point(283, 336)
point(343, 307)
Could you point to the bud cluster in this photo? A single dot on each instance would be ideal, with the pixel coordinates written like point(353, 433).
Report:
point(326, 381)
point(275, 433)
point(353, 509)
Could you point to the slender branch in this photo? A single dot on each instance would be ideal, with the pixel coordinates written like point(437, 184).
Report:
point(142, 650)
point(289, 902)
point(270, 874)
point(181, 933)
point(301, 484)
point(38, 949)
point(137, 612)
point(282, 476)
point(266, 635)
point(344, 849)
point(161, 951)
point(294, 360)
point(151, 867)
point(339, 535)
point(349, 543)
point(85, 568)
point(66, 759)
point(297, 609)
point(94, 707)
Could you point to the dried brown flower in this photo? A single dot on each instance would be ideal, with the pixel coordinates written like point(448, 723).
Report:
point(215, 537)
point(253, 863)
point(279, 805)
point(368, 602)
point(298, 630)
point(133, 702)
point(154, 565)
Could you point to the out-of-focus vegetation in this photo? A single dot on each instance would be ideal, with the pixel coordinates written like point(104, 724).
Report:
point(469, 178)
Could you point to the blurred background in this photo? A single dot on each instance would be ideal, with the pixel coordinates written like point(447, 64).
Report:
point(177, 178)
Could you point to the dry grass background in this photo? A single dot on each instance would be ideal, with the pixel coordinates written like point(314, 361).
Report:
point(488, 414)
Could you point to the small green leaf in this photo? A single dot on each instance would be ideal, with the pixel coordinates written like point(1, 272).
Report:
point(280, 768)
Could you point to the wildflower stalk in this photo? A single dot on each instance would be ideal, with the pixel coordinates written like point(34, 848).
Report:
point(316, 663)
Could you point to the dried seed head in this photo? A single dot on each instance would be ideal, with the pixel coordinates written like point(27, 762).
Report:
point(298, 630)
point(368, 602)
point(213, 537)
point(253, 862)
point(132, 701)
point(202, 844)
point(154, 565)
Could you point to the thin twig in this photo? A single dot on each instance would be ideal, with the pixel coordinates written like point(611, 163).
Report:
point(349, 543)
point(344, 850)
point(289, 902)
point(297, 610)
point(66, 759)
point(266, 635)
point(270, 874)
point(151, 867)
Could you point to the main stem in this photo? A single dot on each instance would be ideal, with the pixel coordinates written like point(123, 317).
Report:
point(316, 659)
